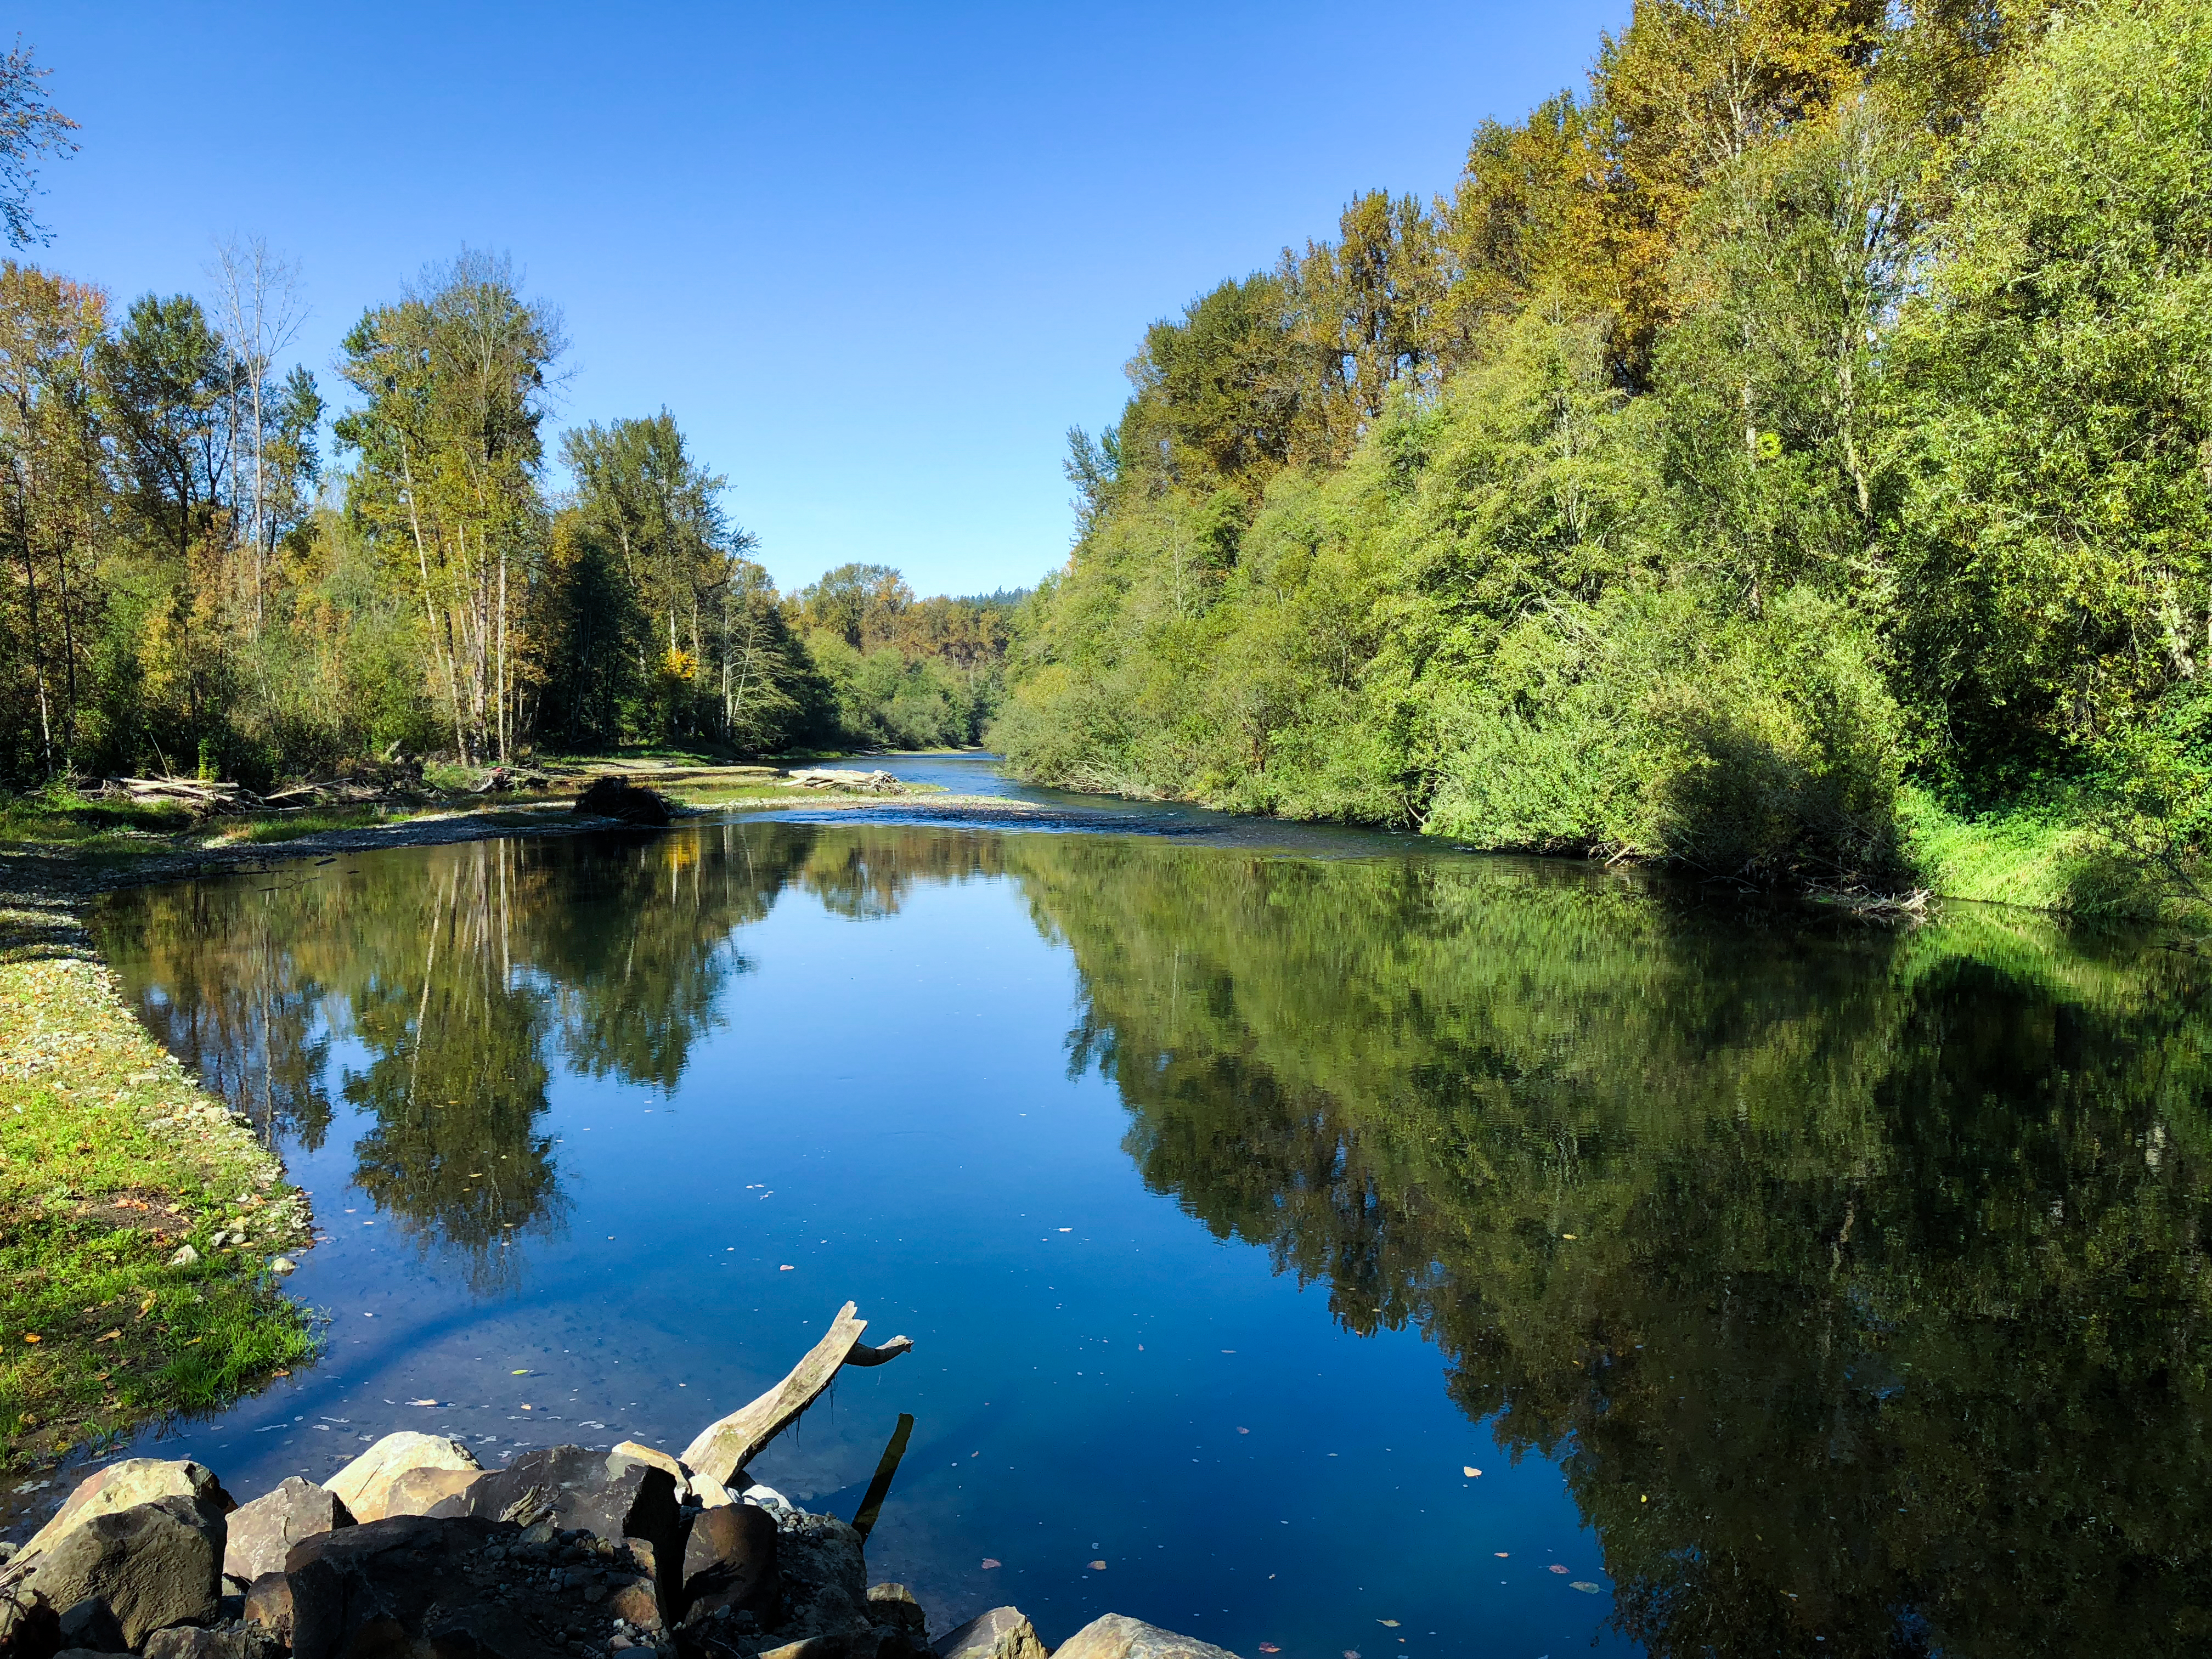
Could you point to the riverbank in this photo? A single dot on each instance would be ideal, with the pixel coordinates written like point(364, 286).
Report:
point(139, 1218)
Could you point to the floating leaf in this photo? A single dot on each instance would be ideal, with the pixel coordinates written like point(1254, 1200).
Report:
point(988, 1562)
point(1269, 1647)
point(1584, 1586)
point(1391, 1622)
point(1243, 1431)
point(1096, 1566)
point(422, 1402)
point(1469, 1471)
point(787, 1268)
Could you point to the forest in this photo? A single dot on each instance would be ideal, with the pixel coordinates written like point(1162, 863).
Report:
point(1788, 455)
point(216, 565)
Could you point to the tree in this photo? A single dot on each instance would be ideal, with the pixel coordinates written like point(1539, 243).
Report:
point(454, 380)
point(259, 295)
point(30, 126)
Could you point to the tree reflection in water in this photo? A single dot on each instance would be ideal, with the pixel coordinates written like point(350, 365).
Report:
point(1856, 1277)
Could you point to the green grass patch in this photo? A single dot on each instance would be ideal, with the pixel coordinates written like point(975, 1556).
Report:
point(110, 1160)
point(2061, 852)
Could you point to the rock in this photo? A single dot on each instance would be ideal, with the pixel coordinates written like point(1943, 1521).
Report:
point(637, 1452)
point(611, 797)
point(364, 1485)
point(412, 1584)
point(1001, 1633)
point(90, 1626)
point(282, 1264)
point(229, 1642)
point(156, 1565)
point(186, 1256)
point(611, 1495)
point(27, 1624)
point(896, 1613)
point(825, 1581)
point(126, 1485)
point(269, 1604)
point(709, 1493)
point(261, 1533)
point(1116, 1637)
point(420, 1491)
point(729, 1561)
point(635, 1601)
point(841, 1644)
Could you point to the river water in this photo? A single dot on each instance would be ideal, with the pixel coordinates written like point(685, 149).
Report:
point(1795, 1284)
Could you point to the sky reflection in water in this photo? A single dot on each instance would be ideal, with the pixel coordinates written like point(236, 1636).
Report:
point(1785, 1279)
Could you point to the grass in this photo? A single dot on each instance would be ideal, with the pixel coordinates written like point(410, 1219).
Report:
point(2051, 854)
point(110, 1160)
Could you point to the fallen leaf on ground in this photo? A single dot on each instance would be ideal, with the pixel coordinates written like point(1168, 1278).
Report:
point(109, 1336)
point(33, 1336)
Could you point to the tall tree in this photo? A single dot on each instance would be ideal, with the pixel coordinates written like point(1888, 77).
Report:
point(30, 127)
point(453, 380)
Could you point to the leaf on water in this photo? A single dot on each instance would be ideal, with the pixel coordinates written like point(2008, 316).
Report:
point(1243, 1431)
point(1096, 1566)
point(1469, 1471)
point(1269, 1647)
point(525, 1371)
point(422, 1402)
point(1391, 1622)
point(1500, 1554)
point(988, 1562)
point(787, 1268)
point(1584, 1586)
point(1556, 1567)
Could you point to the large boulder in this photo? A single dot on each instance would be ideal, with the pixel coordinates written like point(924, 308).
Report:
point(418, 1492)
point(126, 1485)
point(154, 1565)
point(626, 803)
point(364, 1486)
point(1001, 1633)
point(412, 1584)
point(611, 1495)
point(729, 1561)
point(261, 1533)
point(1117, 1637)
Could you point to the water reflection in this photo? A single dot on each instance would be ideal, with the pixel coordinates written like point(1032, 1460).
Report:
point(1855, 1279)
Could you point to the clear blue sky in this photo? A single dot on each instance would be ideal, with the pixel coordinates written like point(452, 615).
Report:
point(876, 259)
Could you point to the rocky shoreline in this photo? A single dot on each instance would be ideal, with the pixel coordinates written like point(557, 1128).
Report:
point(412, 1549)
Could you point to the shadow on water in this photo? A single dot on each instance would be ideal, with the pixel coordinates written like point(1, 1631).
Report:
point(1853, 1279)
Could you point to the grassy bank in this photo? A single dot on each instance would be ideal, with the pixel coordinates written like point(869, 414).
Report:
point(2060, 854)
point(110, 1161)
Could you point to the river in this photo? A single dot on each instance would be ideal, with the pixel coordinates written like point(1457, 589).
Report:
point(1795, 1284)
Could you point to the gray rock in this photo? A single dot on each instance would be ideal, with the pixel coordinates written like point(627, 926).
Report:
point(626, 1503)
point(364, 1485)
point(156, 1565)
point(729, 1561)
point(825, 1581)
point(228, 1642)
point(127, 1484)
point(412, 1584)
point(1001, 1633)
point(1117, 1637)
point(899, 1618)
point(261, 1533)
point(90, 1624)
point(418, 1492)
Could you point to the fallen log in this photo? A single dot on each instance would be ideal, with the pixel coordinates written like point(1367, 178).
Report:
point(724, 1447)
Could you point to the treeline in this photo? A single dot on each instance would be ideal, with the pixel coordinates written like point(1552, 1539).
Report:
point(1809, 418)
point(194, 585)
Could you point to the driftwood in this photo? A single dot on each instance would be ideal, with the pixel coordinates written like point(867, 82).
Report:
point(723, 1448)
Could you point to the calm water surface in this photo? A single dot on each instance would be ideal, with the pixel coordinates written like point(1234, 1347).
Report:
point(1796, 1286)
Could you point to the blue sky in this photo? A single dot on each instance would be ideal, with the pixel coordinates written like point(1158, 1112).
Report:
point(876, 259)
